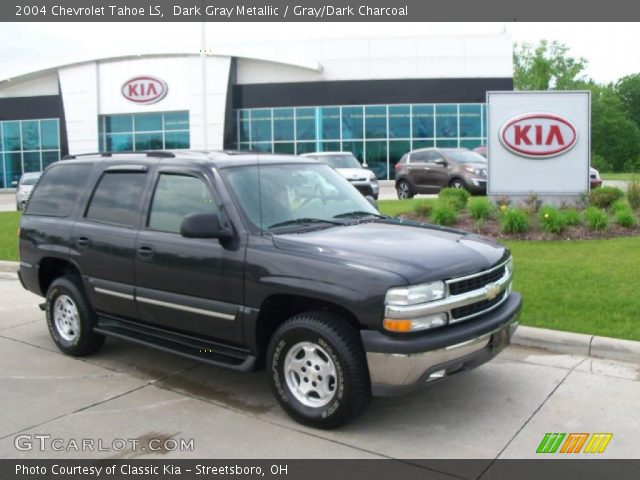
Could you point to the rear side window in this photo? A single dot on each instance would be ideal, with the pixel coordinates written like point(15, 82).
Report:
point(419, 157)
point(58, 190)
point(177, 196)
point(116, 198)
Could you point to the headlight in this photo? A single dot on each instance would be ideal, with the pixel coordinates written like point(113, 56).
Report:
point(415, 294)
point(475, 171)
point(373, 179)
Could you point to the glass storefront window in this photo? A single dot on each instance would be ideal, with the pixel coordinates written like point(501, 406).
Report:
point(145, 131)
point(446, 121)
point(24, 145)
point(376, 155)
point(305, 123)
point(375, 121)
point(261, 125)
point(330, 123)
point(423, 121)
point(352, 123)
point(470, 121)
point(282, 124)
point(399, 121)
point(376, 134)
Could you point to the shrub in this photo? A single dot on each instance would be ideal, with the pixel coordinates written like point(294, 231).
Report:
point(571, 217)
point(596, 218)
point(532, 203)
point(423, 208)
point(552, 220)
point(633, 193)
point(444, 214)
point(619, 205)
point(604, 197)
point(514, 220)
point(624, 217)
point(480, 208)
point(456, 197)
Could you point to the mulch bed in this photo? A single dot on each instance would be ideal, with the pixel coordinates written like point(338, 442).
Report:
point(491, 228)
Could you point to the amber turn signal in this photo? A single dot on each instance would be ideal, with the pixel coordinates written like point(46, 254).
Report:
point(394, 325)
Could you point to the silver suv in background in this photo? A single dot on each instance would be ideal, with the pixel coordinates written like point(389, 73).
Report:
point(348, 166)
point(24, 188)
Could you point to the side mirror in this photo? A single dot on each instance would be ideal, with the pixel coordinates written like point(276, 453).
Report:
point(372, 201)
point(14, 183)
point(202, 225)
point(440, 161)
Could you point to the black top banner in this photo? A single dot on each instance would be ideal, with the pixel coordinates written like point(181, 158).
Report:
point(315, 11)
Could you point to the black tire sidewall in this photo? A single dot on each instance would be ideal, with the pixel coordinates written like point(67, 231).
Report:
point(334, 410)
point(400, 183)
point(66, 286)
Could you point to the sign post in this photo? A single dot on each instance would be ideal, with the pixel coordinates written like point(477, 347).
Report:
point(539, 143)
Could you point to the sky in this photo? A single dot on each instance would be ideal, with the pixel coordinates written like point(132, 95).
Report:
point(25, 47)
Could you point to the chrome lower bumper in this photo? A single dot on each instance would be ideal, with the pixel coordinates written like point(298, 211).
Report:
point(394, 374)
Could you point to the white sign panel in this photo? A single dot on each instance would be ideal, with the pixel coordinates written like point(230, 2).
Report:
point(539, 142)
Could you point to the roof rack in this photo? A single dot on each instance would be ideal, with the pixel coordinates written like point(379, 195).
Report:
point(149, 153)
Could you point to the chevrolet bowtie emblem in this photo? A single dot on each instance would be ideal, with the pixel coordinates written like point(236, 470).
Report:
point(492, 291)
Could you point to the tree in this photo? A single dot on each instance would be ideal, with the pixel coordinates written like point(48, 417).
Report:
point(546, 67)
point(628, 89)
point(614, 135)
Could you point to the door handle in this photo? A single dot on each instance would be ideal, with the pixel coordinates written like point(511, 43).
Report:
point(146, 251)
point(83, 241)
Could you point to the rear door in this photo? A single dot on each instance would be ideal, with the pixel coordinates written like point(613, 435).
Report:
point(417, 170)
point(104, 239)
point(188, 284)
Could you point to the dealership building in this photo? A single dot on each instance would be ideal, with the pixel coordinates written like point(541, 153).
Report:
point(376, 97)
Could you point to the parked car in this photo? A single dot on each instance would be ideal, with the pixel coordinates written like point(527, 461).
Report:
point(428, 170)
point(481, 150)
point(238, 261)
point(24, 187)
point(594, 178)
point(348, 166)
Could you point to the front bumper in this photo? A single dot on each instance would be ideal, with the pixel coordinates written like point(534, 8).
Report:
point(477, 186)
point(400, 365)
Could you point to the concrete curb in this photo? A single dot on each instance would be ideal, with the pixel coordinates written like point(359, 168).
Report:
point(577, 344)
point(12, 267)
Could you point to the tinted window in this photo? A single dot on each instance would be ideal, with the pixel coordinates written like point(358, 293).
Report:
point(177, 196)
point(419, 157)
point(58, 190)
point(465, 156)
point(116, 198)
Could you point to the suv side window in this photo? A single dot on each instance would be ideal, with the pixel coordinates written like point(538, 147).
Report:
point(58, 190)
point(116, 198)
point(432, 156)
point(419, 157)
point(175, 197)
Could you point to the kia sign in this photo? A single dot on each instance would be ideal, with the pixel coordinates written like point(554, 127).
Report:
point(144, 90)
point(538, 143)
point(538, 135)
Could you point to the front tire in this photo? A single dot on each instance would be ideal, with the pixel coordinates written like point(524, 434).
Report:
point(457, 183)
point(70, 318)
point(404, 190)
point(318, 369)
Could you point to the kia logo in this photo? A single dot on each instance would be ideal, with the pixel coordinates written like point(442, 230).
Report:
point(144, 90)
point(538, 135)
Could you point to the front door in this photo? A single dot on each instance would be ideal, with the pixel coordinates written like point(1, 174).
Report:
point(187, 284)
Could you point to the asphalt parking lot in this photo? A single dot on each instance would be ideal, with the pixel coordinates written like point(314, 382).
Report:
point(500, 410)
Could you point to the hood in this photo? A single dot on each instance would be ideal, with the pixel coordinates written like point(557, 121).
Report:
point(417, 252)
point(354, 173)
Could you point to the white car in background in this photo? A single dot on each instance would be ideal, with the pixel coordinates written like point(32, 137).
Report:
point(24, 188)
point(348, 166)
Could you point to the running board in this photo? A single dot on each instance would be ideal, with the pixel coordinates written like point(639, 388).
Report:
point(194, 348)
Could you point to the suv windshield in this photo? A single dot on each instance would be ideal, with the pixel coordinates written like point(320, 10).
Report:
point(340, 160)
point(275, 197)
point(463, 156)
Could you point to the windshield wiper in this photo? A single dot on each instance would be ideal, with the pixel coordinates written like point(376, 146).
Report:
point(359, 213)
point(302, 221)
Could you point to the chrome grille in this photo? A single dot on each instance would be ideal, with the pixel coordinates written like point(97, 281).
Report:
point(456, 287)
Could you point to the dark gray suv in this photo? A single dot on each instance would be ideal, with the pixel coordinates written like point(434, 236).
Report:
point(428, 170)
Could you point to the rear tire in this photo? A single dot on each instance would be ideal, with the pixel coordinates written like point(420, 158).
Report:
point(318, 370)
point(70, 318)
point(404, 190)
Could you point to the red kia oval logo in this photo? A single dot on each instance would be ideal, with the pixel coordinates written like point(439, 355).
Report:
point(538, 135)
point(144, 90)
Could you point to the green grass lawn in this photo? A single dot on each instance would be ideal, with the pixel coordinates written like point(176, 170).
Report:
point(620, 176)
point(578, 286)
point(8, 235)
point(396, 207)
point(586, 286)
